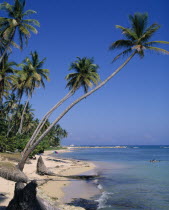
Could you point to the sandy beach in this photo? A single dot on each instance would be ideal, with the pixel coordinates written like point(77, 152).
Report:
point(52, 188)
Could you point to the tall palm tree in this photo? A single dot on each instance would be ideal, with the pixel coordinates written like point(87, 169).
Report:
point(16, 23)
point(34, 75)
point(7, 72)
point(137, 42)
point(85, 76)
point(137, 37)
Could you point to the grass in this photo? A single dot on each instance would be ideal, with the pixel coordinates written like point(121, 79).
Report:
point(16, 157)
point(6, 165)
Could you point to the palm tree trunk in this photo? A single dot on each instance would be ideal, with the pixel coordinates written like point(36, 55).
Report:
point(22, 117)
point(9, 128)
point(44, 119)
point(27, 153)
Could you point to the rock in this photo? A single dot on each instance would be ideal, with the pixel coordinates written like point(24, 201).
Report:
point(84, 203)
point(42, 169)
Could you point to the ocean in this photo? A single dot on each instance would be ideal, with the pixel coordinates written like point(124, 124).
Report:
point(129, 179)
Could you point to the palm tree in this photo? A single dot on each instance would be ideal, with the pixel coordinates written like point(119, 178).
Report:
point(32, 76)
point(136, 44)
point(10, 107)
point(28, 119)
point(85, 76)
point(137, 37)
point(16, 23)
point(10, 103)
point(7, 72)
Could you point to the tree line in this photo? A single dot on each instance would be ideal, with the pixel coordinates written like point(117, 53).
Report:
point(19, 80)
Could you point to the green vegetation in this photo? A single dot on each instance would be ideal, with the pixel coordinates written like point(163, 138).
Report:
point(16, 157)
point(17, 120)
point(6, 165)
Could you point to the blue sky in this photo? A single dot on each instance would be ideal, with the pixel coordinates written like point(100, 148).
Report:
point(133, 107)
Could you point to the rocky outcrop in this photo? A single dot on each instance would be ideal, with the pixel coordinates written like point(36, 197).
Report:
point(42, 169)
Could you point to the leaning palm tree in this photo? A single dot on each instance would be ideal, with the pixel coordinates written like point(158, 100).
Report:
point(16, 23)
point(85, 76)
point(136, 42)
point(34, 75)
point(7, 71)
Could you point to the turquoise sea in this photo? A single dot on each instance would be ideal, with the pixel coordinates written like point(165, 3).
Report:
point(128, 179)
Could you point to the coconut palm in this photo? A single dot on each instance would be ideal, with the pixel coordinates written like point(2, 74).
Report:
point(28, 123)
point(85, 76)
point(7, 72)
point(33, 75)
point(16, 23)
point(10, 108)
point(137, 37)
point(10, 104)
point(136, 44)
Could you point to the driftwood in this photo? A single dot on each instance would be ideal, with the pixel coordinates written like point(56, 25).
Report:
point(13, 174)
point(42, 169)
point(25, 198)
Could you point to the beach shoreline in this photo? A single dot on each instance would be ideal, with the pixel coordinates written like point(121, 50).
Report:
point(54, 188)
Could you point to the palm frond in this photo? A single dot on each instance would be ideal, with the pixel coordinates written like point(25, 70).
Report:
point(149, 32)
point(30, 28)
point(32, 22)
point(121, 44)
point(139, 22)
point(29, 12)
point(124, 53)
point(155, 42)
point(15, 45)
point(6, 7)
point(128, 32)
point(160, 50)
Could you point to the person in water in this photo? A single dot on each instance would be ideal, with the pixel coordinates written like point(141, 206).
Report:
point(153, 161)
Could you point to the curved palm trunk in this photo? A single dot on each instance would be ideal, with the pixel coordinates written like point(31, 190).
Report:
point(27, 153)
point(44, 119)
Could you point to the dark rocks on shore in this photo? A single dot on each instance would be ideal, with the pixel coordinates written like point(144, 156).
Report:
point(82, 177)
point(84, 203)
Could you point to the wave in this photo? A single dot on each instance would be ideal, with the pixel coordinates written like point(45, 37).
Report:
point(102, 201)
